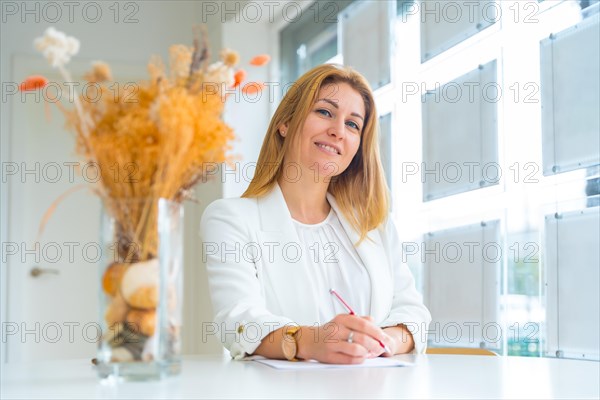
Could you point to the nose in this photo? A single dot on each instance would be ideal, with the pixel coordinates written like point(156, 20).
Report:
point(337, 129)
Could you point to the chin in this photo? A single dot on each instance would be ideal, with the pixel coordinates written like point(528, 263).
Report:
point(328, 169)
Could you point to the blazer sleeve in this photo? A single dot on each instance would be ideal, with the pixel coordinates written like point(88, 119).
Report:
point(239, 306)
point(407, 303)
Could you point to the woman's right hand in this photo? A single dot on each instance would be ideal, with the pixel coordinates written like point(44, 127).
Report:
point(329, 343)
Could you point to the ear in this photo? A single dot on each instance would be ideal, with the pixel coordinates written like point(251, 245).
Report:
point(283, 129)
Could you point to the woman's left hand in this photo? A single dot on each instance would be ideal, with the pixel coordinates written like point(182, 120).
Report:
point(390, 344)
point(398, 339)
point(387, 340)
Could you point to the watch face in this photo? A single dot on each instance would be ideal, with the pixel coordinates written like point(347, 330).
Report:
point(289, 347)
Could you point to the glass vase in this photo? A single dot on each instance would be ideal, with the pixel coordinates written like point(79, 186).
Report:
point(141, 290)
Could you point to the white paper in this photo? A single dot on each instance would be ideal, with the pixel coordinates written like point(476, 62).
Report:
point(369, 363)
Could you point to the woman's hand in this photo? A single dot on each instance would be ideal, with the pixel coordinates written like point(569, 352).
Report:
point(400, 340)
point(329, 343)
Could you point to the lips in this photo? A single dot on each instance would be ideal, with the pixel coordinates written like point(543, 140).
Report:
point(330, 148)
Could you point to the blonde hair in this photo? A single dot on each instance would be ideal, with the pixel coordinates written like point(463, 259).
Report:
point(360, 191)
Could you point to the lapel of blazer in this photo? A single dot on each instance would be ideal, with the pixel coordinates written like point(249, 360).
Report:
point(372, 254)
point(287, 273)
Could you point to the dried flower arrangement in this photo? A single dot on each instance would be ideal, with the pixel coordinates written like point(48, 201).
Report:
point(160, 134)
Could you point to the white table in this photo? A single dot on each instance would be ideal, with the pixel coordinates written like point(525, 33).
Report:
point(434, 376)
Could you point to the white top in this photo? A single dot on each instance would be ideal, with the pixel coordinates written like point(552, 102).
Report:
point(274, 286)
point(334, 263)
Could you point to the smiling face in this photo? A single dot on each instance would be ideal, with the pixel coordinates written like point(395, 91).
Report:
point(331, 133)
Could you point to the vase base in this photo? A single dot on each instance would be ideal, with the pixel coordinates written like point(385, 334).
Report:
point(138, 371)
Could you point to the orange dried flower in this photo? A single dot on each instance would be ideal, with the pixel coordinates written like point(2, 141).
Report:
point(239, 77)
point(100, 73)
point(260, 60)
point(180, 60)
point(33, 82)
point(253, 87)
point(230, 57)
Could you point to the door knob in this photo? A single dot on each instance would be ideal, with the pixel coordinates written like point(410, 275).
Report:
point(37, 271)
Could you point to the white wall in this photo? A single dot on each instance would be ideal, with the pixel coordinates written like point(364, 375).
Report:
point(248, 115)
point(159, 24)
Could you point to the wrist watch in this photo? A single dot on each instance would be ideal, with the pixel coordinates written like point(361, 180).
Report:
point(289, 344)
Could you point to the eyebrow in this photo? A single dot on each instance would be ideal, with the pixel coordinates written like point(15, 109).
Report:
point(333, 103)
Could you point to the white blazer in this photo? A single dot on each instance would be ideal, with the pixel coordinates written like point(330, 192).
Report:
point(258, 284)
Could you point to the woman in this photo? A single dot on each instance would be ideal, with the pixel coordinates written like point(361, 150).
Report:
point(314, 217)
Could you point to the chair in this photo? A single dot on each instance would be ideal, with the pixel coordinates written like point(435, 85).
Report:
point(460, 350)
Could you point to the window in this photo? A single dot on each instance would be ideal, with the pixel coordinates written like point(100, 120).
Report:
point(518, 190)
point(482, 174)
point(311, 39)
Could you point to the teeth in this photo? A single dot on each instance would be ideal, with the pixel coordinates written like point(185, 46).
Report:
point(328, 148)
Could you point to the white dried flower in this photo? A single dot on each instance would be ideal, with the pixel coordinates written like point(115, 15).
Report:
point(220, 73)
point(57, 47)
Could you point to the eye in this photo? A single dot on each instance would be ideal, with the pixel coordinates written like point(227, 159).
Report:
point(353, 125)
point(324, 112)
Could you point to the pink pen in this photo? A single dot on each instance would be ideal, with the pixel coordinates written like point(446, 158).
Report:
point(351, 312)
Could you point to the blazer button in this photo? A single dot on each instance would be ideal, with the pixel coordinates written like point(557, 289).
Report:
point(240, 329)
